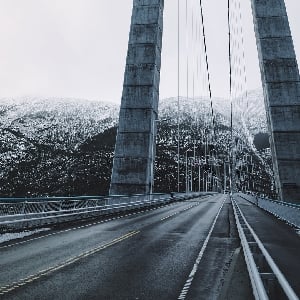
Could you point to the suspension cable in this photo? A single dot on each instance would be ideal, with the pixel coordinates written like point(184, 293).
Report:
point(243, 55)
point(178, 99)
point(207, 69)
point(187, 50)
point(230, 94)
point(230, 67)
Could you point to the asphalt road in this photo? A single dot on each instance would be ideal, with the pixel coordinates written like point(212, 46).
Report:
point(280, 239)
point(166, 253)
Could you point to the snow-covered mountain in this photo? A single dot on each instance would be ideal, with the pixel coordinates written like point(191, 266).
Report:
point(250, 106)
point(66, 123)
point(65, 146)
point(61, 123)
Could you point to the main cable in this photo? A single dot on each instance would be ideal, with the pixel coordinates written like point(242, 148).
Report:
point(207, 70)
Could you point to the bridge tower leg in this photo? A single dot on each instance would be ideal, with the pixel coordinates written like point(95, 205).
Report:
point(135, 146)
point(281, 85)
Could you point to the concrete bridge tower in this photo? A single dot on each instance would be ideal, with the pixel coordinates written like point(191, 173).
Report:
point(135, 146)
point(281, 84)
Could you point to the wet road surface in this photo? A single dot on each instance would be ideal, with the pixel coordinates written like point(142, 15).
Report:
point(149, 255)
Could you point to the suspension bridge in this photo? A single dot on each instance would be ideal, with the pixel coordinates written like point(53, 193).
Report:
point(209, 239)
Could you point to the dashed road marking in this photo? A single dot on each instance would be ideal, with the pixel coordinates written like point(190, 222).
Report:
point(190, 279)
point(178, 212)
point(75, 228)
point(31, 278)
point(84, 226)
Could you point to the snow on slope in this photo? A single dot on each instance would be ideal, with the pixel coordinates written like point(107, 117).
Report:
point(251, 106)
point(62, 123)
point(51, 145)
point(71, 121)
point(65, 124)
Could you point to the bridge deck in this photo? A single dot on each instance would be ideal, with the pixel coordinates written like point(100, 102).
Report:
point(179, 251)
point(144, 256)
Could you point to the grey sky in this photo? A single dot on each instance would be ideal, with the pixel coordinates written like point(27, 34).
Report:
point(77, 48)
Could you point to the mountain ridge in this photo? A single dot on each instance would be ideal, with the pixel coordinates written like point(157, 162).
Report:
point(55, 146)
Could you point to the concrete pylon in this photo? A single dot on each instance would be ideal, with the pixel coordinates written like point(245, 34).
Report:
point(135, 146)
point(281, 84)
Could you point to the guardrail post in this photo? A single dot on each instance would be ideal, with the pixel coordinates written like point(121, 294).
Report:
point(270, 282)
point(23, 208)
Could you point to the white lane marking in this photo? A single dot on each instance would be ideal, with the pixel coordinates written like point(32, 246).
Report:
point(178, 212)
point(83, 226)
point(188, 282)
point(33, 277)
point(74, 228)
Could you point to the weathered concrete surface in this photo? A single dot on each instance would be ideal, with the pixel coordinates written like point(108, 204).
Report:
point(135, 145)
point(281, 84)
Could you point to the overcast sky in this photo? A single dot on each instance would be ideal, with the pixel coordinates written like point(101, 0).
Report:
point(77, 48)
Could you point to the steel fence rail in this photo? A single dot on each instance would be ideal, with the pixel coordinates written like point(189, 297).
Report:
point(32, 213)
point(259, 291)
point(30, 206)
point(288, 212)
point(266, 278)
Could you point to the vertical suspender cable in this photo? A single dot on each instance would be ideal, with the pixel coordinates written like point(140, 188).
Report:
point(187, 49)
point(243, 53)
point(178, 100)
point(194, 22)
point(230, 95)
point(193, 52)
point(187, 78)
point(230, 67)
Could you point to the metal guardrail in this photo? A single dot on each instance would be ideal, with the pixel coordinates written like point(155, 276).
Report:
point(288, 212)
point(44, 211)
point(266, 279)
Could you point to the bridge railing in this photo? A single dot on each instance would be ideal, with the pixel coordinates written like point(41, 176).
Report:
point(29, 207)
point(289, 212)
point(17, 214)
point(267, 281)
